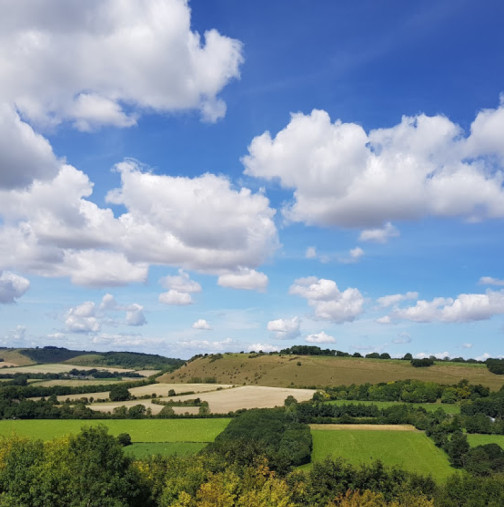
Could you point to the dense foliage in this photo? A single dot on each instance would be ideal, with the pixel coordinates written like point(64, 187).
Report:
point(91, 469)
point(409, 391)
point(274, 433)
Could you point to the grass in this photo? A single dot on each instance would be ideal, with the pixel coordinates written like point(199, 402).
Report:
point(321, 371)
point(142, 450)
point(14, 356)
point(140, 430)
point(412, 451)
point(430, 407)
point(479, 439)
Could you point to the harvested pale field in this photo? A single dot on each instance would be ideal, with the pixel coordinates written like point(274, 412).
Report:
point(321, 371)
point(108, 407)
point(59, 368)
point(364, 427)
point(81, 382)
point(229, 400)
point(162, 389)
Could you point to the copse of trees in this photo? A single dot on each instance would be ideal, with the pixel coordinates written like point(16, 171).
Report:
point(495, 366)
point(409, 391)
point(273, 433)
point(419, 363)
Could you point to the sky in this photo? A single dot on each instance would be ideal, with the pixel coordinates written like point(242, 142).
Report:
point(185, 177)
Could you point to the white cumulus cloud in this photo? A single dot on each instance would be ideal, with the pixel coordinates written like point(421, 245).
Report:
point(394, 299)
point(423, 166)
point(12, 286)
point(202, 324)
point(285, 329)
point(327, 301)
point(321, 337)
point(380, 234)
point(245, 279)
point(489, 280)
point(102, 63)
point(464, 308)
point(51, 228)
point(180, 288)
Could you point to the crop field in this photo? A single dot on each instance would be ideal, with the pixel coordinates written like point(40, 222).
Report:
point(480, 439)
point(57, 368)
point(161, 389)
point(291, 371)
point(79, 382)
point(411, 450)
point(140, 430)
point(227, 400)
point(430, 407)
point(222, 401)
point(108, 407)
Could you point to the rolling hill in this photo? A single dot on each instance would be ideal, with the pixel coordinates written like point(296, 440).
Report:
point(319, 371)
point(51, 354)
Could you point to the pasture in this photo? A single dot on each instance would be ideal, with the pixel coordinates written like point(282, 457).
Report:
point(430, 407)
point(411, 450)
point(475, 439)
point(140, 430)
point(321, 371)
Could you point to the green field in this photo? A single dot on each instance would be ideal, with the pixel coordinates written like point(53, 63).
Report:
point(145, 449)
point(479, 439)
point(430, 407)
point(412, 451)
point(140, 430)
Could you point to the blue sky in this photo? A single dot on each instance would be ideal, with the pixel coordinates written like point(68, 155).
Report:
point(186, 177)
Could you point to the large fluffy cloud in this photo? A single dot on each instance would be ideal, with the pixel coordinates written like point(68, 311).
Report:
point(464, 308)
point(343, 176)
point(12, 287)
point(24, 154)
point(52, 228)
point(101, 62)
point(327, 301)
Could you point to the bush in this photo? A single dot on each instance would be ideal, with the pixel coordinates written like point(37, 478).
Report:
point(419, 363)
point(124, 439)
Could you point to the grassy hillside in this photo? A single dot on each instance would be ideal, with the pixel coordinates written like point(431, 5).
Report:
point(304, 371)
point(14, 357)
point(52, 355)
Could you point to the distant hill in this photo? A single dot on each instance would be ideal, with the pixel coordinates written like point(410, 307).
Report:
point(318, 371)
point(51, 354)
